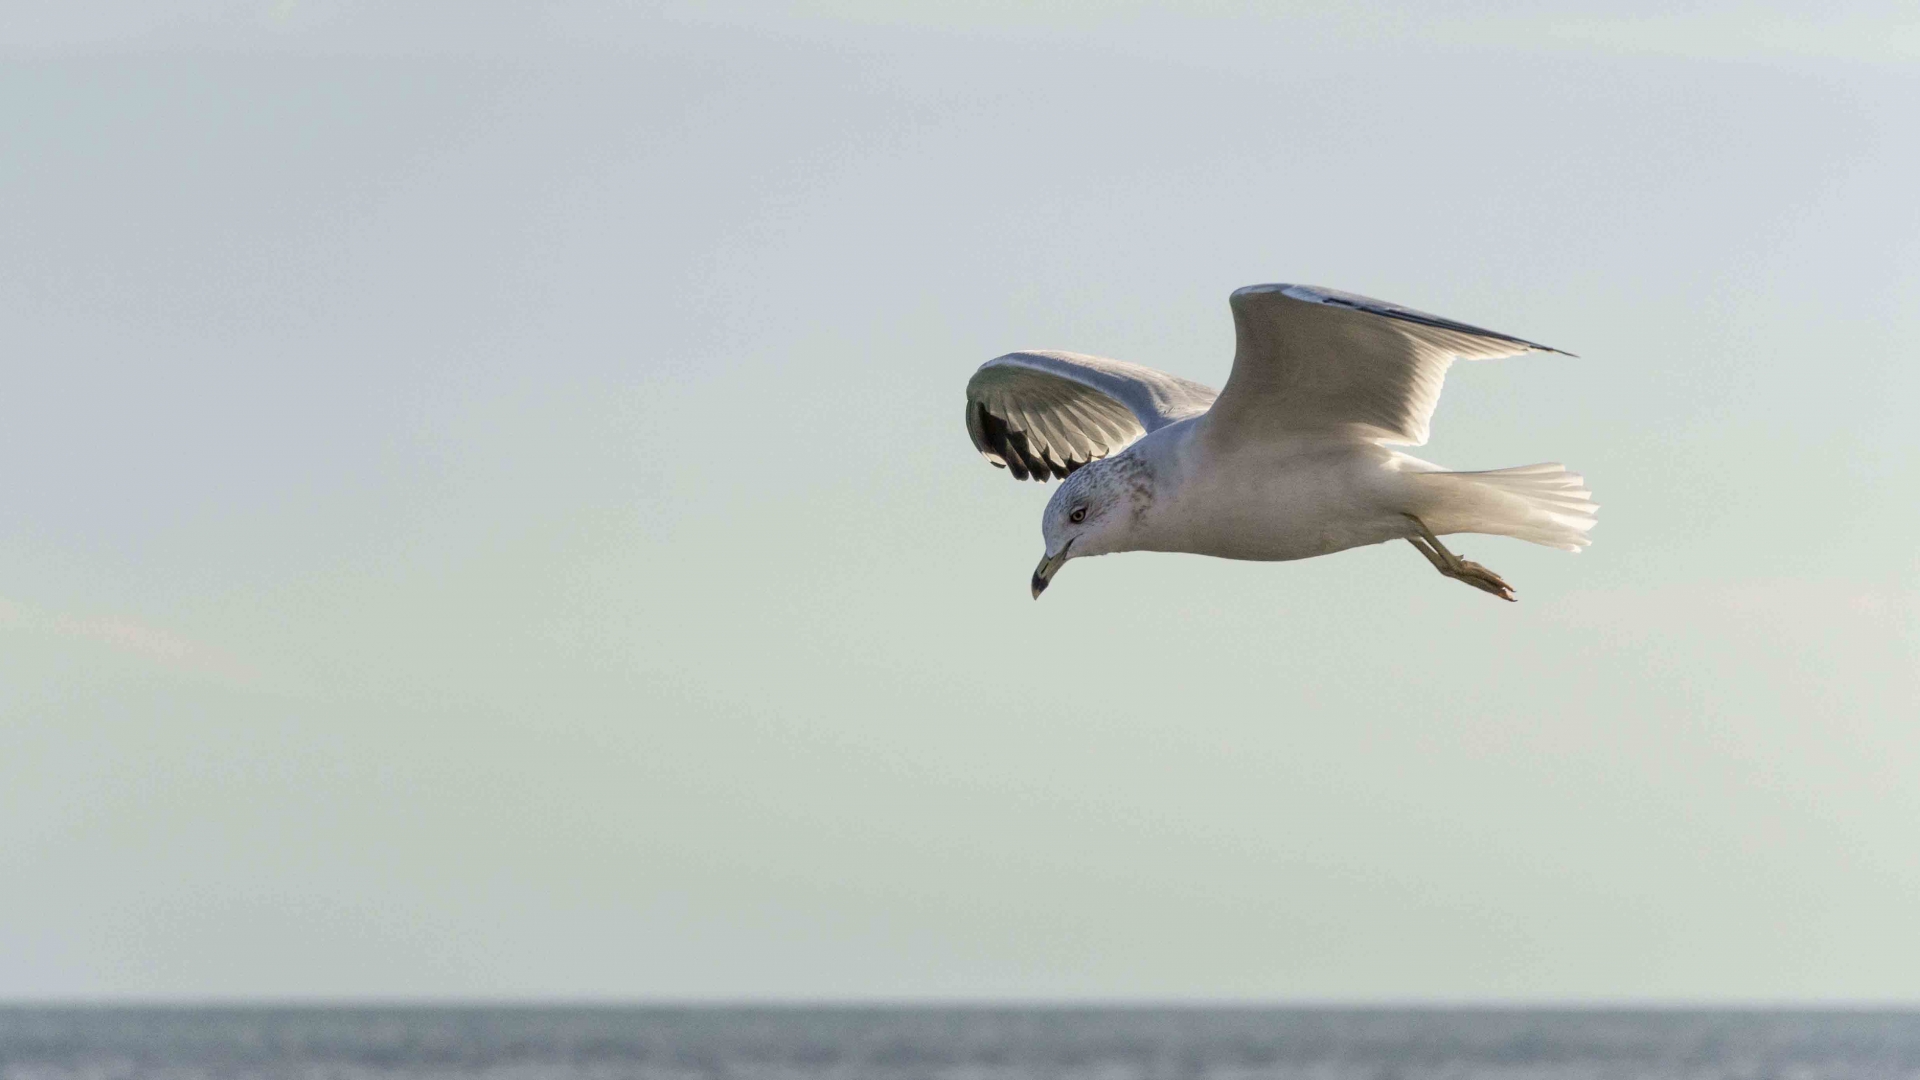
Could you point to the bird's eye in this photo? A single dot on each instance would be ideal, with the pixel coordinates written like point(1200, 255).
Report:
point(1079, 515)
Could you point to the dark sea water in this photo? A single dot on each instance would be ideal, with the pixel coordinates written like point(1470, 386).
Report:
point(949, 1043)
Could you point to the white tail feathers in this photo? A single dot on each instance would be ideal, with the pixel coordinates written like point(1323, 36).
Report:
point(1543, 504)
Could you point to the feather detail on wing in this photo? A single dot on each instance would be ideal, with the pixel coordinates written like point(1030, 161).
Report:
point(1042, 415)
point(1314, 359)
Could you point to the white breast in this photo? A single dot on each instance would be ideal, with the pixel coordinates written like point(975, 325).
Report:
point(1290, 499)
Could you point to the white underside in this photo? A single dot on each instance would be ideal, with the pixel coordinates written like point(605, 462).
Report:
point(1313, 495)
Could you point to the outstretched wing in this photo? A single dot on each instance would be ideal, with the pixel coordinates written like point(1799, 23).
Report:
point(1045, 414)
point(1314, 359)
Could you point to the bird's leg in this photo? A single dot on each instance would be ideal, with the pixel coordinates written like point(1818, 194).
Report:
point(1454, 566)
point(1434, 557)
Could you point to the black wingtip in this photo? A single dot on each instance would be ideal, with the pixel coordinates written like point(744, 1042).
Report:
point(1011, 449)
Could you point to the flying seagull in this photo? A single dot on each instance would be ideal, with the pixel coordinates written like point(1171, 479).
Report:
point(1290, 461)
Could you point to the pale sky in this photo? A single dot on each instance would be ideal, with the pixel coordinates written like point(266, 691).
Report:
point(486, 511)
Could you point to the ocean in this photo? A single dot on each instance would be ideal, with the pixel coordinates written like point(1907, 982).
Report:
point(948, 1043)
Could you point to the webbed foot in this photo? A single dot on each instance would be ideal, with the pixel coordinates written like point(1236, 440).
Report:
point(1455, 567)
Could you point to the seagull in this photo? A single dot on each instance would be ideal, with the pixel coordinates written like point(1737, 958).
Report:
point(1290, 461)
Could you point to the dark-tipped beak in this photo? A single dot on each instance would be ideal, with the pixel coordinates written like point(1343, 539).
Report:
point(1049, 566)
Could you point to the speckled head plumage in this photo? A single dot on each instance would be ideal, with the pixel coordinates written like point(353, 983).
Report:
point(1092, 513)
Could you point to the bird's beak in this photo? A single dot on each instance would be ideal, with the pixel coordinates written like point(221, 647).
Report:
point(1049, 566)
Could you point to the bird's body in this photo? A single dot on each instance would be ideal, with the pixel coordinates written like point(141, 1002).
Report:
point(1290, 461)
point(1288, 499)
point(1264, 502)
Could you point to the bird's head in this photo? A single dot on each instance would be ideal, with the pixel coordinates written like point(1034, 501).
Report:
point(1090, 514)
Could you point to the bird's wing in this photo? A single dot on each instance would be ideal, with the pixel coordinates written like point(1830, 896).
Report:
point(1045, 414)
point(1314, 359)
